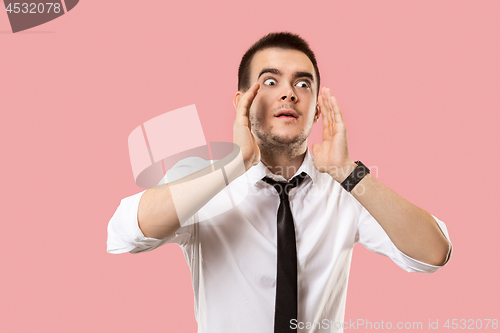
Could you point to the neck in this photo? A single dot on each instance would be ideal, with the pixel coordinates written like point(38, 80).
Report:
point(284, 162)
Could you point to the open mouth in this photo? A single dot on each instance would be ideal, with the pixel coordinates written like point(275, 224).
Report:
point(286, 114)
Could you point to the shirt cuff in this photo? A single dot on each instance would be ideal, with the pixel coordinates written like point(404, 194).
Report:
point(124, 234)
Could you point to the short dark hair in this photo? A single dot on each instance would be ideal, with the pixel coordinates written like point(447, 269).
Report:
point(284, 40)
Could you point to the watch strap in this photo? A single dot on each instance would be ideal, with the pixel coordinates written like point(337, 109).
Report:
point(355, 177)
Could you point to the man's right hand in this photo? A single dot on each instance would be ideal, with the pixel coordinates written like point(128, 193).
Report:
point(242, 128)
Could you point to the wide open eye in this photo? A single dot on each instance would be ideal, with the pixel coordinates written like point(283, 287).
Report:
point(303, 84)
point(270, 82)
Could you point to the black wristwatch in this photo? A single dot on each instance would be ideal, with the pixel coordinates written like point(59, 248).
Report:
point(355, 177)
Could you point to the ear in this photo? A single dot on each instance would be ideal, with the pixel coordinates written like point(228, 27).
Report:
point(236, 99)
point(317, 114)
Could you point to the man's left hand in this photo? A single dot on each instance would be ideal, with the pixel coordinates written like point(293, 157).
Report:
point(332, 156)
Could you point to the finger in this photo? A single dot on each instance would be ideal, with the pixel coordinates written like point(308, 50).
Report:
point(327, 121)
point(329, 110)
point(247, 99)
point(328, 96)
point(336, 111)
point(322, 108)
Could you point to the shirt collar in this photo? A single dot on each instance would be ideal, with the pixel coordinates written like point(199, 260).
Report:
point(259, 171)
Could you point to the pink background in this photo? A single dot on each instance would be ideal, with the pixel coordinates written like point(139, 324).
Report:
point(418, 83)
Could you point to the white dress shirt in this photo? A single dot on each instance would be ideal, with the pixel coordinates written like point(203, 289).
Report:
point(232, 253)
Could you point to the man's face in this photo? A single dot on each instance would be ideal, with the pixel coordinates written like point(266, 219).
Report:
point(284, 109)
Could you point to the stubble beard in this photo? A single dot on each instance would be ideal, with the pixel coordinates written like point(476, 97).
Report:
point(273, 145)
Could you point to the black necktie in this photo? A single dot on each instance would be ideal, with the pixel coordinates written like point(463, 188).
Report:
point(286, 276)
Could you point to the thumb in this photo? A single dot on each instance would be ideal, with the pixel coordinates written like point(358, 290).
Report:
point(315, 148)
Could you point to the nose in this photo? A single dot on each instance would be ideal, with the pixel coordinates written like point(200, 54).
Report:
point(289, 94)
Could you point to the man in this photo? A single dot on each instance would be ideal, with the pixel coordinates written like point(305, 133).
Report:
point(279, 260)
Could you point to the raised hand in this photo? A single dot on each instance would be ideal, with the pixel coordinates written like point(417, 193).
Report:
point(332, 155)
point(242, 130)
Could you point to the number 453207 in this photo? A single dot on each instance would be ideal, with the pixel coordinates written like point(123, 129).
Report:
point(33, 8)
point(471, 324)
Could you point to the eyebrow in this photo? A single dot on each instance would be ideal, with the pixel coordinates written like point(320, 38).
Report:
point(277, 72)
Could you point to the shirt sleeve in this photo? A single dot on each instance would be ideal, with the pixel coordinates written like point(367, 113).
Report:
point(373, 237)
point(124, 234)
